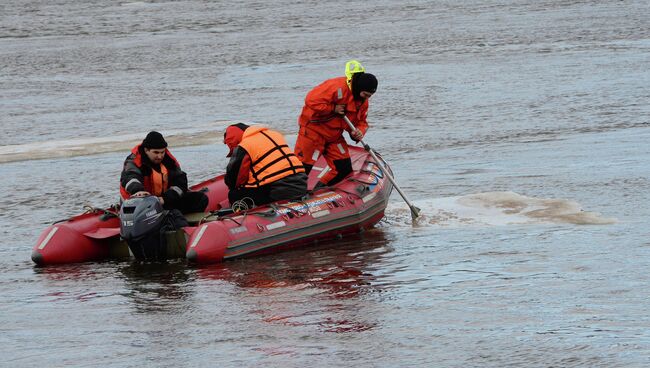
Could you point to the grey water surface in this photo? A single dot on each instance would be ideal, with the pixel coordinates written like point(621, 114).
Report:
point(519, 127)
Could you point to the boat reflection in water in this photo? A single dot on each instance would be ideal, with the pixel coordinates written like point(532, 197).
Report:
point(323, 286)
point(331, 287)
point(158, 287)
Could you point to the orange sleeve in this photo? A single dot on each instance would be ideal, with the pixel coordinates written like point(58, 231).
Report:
point(359, 120)
point(362, 125)
point(237, 169)
point(244, 169)
point(322, 98)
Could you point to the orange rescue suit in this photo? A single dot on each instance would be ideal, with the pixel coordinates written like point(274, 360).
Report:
point(321, 129)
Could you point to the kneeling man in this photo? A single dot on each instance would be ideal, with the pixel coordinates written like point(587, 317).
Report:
point(262, 167)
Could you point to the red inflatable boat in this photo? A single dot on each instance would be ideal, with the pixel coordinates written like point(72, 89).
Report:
point(351, 206)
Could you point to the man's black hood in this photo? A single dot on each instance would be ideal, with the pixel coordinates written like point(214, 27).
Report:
point(363, 82)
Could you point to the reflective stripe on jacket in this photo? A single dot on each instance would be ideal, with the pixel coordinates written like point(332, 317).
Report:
point(138, 175)
point(271, 158)
point(318, 114)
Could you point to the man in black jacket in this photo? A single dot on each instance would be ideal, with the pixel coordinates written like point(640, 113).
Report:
point(151, 169)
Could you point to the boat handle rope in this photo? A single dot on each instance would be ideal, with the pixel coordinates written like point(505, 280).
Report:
point(380, 176)
point(362, 182)
point(90, 209)
point(210, 214)
point(372, 173)
point(293, 210)
point(348, 192)
point(243, 204)
point(62, 220)
point(244, 213)
point(269, 213)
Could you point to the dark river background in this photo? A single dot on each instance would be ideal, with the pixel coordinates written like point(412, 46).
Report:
point(519, 127)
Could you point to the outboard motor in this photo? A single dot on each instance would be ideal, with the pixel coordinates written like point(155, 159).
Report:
point(141, 225)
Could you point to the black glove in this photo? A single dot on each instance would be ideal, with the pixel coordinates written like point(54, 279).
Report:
point(171, 197)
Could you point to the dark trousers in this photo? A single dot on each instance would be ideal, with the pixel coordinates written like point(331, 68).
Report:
point(292, 187)
point(189, 202)
point(260, 196)
point(343, 169)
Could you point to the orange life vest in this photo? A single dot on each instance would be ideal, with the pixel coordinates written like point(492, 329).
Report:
point(159, 181)
point(271, 158)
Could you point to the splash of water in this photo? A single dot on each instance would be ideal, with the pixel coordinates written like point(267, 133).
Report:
point(495, 209)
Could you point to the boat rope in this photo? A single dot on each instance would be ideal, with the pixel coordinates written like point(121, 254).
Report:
point(362, 182)
point(379, 175)
point(88, 209)
point(293, 210)
point(244, 214)
point(207, 216)
point(347, 191)
point(62, 220)
point(270, 213)
point(320, 186)
point(243, 204)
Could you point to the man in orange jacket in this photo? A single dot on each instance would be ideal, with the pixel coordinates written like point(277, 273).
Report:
point(322, 125)
point(262, 167)
point(151, 169)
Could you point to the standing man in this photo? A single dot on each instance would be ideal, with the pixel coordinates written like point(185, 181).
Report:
point(151, 169)
point(322, 125)
point(262, 167)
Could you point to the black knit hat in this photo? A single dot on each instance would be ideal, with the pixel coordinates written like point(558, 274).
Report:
point(363, 82)
point(154, 140)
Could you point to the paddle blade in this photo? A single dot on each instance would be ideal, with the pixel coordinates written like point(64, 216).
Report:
point(415, 212)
